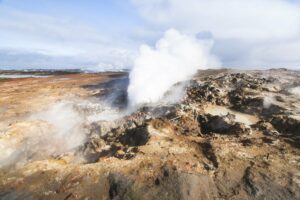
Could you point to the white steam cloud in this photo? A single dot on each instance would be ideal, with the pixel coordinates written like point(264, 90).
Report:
point(295, 91)
point(55, 131)
point(176, 57)
point(67, 124)
point(268, 101)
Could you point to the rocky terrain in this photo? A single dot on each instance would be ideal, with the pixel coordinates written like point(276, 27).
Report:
point(234, 135)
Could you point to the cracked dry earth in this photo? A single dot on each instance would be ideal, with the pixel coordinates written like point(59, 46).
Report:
point(234, 135)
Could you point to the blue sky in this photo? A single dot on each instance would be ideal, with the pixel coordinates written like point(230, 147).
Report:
point(105, 34)
point(107, 14)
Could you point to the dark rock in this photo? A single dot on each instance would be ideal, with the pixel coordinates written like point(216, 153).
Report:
point(286, 125)
point(266, 127)
point(135, 137)
point(208, 151)
point(220, 124)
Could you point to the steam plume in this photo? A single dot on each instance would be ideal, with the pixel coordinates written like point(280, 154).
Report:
point(295, 91)
point(176, 57)
point(268, 101)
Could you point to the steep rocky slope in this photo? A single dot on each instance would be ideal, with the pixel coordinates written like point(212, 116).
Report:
point(234, 135)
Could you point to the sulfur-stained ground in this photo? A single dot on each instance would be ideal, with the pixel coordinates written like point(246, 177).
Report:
point(234, 135)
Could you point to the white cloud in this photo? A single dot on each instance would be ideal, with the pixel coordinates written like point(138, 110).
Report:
point(256, 32)
point(255, 19)
point(55, 42)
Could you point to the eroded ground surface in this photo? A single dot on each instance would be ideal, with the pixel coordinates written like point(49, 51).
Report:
point(235, 135)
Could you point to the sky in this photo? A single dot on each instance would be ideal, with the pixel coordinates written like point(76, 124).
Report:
point(107, 34)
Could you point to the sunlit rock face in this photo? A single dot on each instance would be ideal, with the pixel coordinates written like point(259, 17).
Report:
point(231, 135)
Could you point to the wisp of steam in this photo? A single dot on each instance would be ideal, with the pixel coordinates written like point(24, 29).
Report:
point(295, 91)
point(175, 58)
point(54, 131)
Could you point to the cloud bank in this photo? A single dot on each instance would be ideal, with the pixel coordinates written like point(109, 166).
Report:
point(247, 33)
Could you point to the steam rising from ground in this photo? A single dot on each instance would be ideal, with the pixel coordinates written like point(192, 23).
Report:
point(158, 74)
point(66, 122)
point(268, 101)
point(55, 131)
point(175, 58)
point(58, 130)
point(295, 91)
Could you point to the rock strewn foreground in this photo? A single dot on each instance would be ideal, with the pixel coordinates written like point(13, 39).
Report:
point(235, 135)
